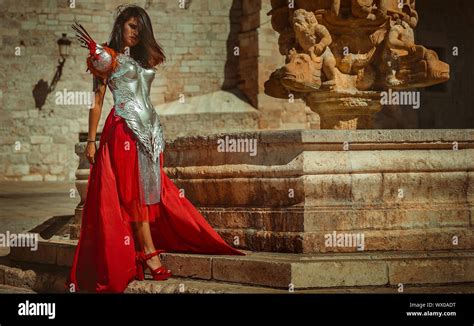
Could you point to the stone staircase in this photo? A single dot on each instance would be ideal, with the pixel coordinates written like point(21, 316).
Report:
point(407, 192)
point(259, 272)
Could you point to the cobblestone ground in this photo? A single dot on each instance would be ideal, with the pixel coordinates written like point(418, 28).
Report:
point(24, 205)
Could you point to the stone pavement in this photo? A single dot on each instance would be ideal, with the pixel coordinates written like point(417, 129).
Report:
point(26, 204)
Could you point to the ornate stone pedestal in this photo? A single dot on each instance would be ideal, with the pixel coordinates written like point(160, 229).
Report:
point(401, 189)
point(345, 110)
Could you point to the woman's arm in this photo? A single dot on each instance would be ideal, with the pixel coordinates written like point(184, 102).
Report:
point(101, 62)
point(94, 118)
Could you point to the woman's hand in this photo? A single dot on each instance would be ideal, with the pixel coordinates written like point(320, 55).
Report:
point(90, 152)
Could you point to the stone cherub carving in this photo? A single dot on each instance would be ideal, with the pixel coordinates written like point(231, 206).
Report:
point(314, 39)
point(400, 42)
point(366, 9)
point(307, 58)
point(406, 62)
point(338, 44)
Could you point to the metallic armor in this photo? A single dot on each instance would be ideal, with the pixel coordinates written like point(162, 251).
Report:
point(130, 85)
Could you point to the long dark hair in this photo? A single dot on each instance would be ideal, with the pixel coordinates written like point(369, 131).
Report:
point(147, 52)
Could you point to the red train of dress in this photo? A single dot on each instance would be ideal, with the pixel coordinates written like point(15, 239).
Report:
point(104, 260)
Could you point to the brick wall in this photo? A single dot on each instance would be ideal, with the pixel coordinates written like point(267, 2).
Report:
point(39, 144)
point(199, 42)
point(259, 58)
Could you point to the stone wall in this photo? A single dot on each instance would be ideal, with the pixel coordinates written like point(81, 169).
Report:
point(39, 144)
point(199, 42)
point(259, 58)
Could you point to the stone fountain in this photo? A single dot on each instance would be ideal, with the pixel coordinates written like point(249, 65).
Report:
point(341, 56)
point(405, 197)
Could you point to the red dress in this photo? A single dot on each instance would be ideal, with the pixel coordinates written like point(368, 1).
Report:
point(104, 260)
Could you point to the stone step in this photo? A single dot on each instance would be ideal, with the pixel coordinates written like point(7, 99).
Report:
point(298, 271)
point(432, 239)
point(34, 278)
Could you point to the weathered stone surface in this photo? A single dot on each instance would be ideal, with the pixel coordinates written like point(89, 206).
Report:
point(191, 266)
point(7, 289)
point(417, 239)
point(65, 255)
point(20, 278)
point(264, 240)
point(46, 253)
point(431, 271)
point(404, 189)
point(55, 251)
point(179, 286)
point(278, 270)
point(284, 220)
point(338, 274)
point(389, 217)
point(248, 271)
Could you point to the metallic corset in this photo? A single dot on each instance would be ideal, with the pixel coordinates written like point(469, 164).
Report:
point(130, 86)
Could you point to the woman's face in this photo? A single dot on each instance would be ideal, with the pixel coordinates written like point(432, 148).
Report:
point(130, 32)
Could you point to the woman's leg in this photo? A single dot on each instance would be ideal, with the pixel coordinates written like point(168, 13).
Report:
point(146, 243)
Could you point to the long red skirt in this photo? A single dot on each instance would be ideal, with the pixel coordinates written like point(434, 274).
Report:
point(104, 259)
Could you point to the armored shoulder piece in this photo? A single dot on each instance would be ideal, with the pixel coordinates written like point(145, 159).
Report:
point(101, 61)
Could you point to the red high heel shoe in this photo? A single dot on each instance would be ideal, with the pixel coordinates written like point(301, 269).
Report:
point(159, 274)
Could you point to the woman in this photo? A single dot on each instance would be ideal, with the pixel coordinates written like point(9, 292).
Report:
point(131, 206)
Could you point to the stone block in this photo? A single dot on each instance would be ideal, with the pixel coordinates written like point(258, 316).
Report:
point(339, 273)
point(65, 255)
point(192, 266)
point(425, 271)
point(266, 273)
point(2, 274)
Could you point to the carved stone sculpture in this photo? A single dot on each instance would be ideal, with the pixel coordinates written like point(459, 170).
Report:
point(344, 53)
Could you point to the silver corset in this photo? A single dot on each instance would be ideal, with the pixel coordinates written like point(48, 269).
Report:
point(130, 86)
